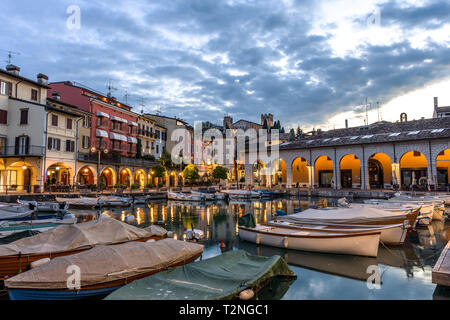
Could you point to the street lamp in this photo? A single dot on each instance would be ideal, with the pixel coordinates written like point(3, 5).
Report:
point(99, 152)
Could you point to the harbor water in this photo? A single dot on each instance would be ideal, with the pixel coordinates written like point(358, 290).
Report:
point(404, 272)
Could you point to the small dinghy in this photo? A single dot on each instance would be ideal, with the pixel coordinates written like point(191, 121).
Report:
point(10, 211)
point(65, 240)
point(141, 199)
point(103, 270)
point(8, 228)
point(357, 243)
point(59, 207)
point(82, 202)
point(232, 275)
point(113, 201)
point(179, 196)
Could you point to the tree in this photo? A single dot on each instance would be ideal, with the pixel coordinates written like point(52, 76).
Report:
point(166, 160)
point(291, 134)
point(159, 171)
point(190, 173)
point(282, 130)
point(299, 132)
point(220, 173)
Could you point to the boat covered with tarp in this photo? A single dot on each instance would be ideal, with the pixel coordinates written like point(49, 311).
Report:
point(353, 215)
point(222, 277)
point(64, 240)
point(102, 269)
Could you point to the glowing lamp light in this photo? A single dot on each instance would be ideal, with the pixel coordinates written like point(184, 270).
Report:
point(106, 171)
point(24, 167)
point(86, 170)
point(58, 168)
point(93, 149)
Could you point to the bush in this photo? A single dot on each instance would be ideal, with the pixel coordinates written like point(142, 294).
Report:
point(190, 173)
point(159, 171)
point(135, 186)
point(220, 173)
point(149, 186)
point(102, 186)
point(242, 180)
point(119, 186)
point(160, 185)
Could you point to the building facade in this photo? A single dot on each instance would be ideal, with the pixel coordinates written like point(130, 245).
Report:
point(22, 129)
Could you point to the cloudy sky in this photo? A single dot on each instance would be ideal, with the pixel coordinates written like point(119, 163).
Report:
point(310, 63)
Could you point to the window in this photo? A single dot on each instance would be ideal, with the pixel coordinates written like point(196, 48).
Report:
point(23, 116)
point(2, 145)
point(3, 117)
point(54, 144)
point(153, 146)
point(86, 122)
point(85, 142)
point(6, 88)
point(22, 145)
point(130, 145)
point(69, 124)
point(147, 144)
point(99, 122)
point(54, 120)
point(34, 95)
point(157, 148)
point(70, 146)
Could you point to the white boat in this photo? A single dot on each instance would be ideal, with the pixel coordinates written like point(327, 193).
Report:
point(194, 234)
point(361, 244)
point(394, 234)
point(141, 199)
point(113, 201)
point(8, 228)
point(428, 209)
point(10, 211)
point(82, 202)
point(184, 197)
point(46, 206)
point(209, 196)
point(353, 216)
point(238, 194)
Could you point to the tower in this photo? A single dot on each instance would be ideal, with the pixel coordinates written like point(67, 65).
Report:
point(268, 118)
point(227, 122)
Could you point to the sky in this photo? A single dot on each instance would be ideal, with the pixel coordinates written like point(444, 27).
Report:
point(310, 63)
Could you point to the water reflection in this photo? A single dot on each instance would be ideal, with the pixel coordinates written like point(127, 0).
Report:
point(405, 271)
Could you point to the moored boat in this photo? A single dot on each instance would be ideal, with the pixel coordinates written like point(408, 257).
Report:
point(222, 277)
point(184, 197)
point(357, 243)
point(10, 211)
point(82, 202)
point(65, 240)
point(8, 228)
point(103, 269)
point(60, 207)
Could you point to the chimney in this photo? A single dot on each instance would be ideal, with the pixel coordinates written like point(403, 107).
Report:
point(435, 102)
point(15, 70)
point(56, 96)
point(346, 123)
point(42, 79)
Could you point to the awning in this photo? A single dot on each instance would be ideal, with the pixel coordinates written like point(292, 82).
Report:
point(115, 136)
point(131, 123)
point(132, 140)
point(102, 114)
point(101, 133)
point(118, 119)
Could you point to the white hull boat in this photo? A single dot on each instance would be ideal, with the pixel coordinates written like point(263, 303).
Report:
point(116, 201)
point(10, 211)
point(141, 200)
point(184, 197)
point(426, 212)
point(209, 196)
point(82, 202)
point(8, 228)
point(46, 206)
point(361, 244)
point(390, 234)
point(238, 194)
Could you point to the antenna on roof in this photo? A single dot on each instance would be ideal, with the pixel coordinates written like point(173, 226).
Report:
point(142, 105)
point(110, 88)
point(367, 105)
point(126, 96)
point(379, 112)
point(10, 54)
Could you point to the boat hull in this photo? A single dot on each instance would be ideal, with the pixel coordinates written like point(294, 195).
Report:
point(360, 244)
point(100, 290)
point(13, 265)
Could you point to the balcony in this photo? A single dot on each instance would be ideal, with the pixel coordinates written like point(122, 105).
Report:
point(13, 152)
point(114, 158)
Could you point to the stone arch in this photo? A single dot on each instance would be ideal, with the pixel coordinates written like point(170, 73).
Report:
point(59, 173)
point(380, 171)
point(413, 169)
point(19, 175)
point(442, 169)
point(87, 175)
point(108, 177)
point(324, 171)
point(350, 170)
point(300, 171)
point(140, 177)
point(125, 177)
point(279, 172)
point(259, 175)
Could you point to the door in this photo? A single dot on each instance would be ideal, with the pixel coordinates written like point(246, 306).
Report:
point(346, 179)
point(375, 174)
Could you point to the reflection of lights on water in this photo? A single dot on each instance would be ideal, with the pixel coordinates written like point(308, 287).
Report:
point(175, 236)
point(207, 235)
point(122, 217)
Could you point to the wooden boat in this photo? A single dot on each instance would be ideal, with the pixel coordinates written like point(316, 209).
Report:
point(46, 206)
point(390, 234)
point(65, 240)
point(358, 243)
point(103, 269)
point(82, 202)
point(441, 270)
point(353, 216)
